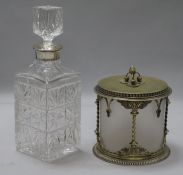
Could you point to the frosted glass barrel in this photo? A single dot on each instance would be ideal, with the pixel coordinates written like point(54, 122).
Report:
point(116, 129)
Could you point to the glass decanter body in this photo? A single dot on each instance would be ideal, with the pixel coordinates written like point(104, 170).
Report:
point(47, 106)
point(47, 110)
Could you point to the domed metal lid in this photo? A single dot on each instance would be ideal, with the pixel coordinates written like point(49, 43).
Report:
point(133, 86)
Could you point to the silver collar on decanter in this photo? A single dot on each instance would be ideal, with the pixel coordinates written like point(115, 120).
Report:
point(47, 54)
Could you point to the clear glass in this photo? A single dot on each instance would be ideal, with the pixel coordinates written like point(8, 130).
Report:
point(47, 110)
point(47, 97)
point(47, 22)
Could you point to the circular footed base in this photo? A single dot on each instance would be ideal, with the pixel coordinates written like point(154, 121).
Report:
point(130, 160)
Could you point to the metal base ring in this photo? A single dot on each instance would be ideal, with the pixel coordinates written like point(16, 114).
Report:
point(131, 161)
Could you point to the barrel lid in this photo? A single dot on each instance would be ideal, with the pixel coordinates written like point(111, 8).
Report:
point(133, 86)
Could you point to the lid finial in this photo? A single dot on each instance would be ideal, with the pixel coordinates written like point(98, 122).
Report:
point(132, 78)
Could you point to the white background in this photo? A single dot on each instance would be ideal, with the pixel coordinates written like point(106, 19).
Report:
point(84, 162)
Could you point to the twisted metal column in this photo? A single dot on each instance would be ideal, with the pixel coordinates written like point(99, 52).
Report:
point(165, 124)
point(97, 131)
point(133, 142)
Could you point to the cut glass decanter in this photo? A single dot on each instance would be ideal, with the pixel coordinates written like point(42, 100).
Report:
point(47, 95)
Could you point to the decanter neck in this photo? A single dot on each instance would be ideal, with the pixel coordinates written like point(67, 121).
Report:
point(47, 64)
point(47, 54)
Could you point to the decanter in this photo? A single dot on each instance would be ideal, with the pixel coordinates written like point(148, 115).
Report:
point(47, 95)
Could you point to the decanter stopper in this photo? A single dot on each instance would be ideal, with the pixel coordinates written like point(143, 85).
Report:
point(47, 23)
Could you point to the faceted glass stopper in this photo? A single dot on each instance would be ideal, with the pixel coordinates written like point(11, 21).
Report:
point(47, 23)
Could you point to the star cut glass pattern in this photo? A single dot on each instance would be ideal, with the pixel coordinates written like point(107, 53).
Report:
point(47, 97)
point(47, 113)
